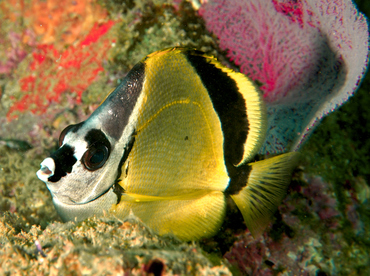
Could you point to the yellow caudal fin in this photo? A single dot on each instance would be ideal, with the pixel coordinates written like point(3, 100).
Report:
point(266, 188)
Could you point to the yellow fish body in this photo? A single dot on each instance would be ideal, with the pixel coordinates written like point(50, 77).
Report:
point(168, 145)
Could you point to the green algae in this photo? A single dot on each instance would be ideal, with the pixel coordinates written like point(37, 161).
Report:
point(338, 149)
point(338, 153)
point(151, 26)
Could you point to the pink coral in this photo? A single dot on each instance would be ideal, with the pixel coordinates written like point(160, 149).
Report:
point(267, 47)
point(15, 54)
point(308, 55)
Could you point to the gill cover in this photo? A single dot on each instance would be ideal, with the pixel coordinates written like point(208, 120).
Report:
point(168, 145)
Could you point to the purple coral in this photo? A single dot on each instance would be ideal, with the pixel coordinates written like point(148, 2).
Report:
point(308, 55)
point(322, 202)
point(15, 52)
point(249, 255)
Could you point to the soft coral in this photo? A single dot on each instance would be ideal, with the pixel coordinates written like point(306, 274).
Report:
point(308, 55)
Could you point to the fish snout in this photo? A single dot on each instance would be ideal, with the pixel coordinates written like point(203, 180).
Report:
point(47, 169)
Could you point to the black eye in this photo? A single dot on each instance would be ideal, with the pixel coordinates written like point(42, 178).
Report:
point(95, 157)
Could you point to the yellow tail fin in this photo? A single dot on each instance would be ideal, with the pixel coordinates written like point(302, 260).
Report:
point(266, 188)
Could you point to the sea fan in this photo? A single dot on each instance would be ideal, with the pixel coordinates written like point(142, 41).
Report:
point(308, 55)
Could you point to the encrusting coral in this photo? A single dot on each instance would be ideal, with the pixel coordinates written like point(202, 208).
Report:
point(97, 247)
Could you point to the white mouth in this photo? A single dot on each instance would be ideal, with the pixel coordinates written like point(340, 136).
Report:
point(47, 169)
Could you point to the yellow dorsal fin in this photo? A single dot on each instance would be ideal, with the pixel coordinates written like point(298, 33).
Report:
point(266, 188)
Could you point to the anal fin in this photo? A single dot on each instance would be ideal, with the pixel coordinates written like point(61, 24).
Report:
point(266, 188)
point(188, 217)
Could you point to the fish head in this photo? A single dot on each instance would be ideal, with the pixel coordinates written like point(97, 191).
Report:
point(81, 175)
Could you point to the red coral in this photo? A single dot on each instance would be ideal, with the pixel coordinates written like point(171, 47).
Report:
point(54, 73)
point(292, 9)
point(76, 17)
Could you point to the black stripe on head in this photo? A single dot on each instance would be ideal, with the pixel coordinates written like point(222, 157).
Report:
point(121, 101)
point(229, 105)
point(117, 188)
point(64, 161)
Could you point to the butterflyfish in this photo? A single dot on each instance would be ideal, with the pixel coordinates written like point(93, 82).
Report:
point(176, 138)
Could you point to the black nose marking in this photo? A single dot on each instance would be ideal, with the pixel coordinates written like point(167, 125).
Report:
point(64, 161)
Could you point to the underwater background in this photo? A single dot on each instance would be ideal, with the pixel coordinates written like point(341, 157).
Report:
point(58, 61)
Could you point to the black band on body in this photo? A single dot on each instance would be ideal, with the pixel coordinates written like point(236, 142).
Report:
point(117, 188)
point(229, 105)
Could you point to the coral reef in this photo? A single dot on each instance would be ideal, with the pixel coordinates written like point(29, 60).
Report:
point(44, 71)
point(61, 72)
point(21, 192)
point(147, 27)
point(98, 247)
